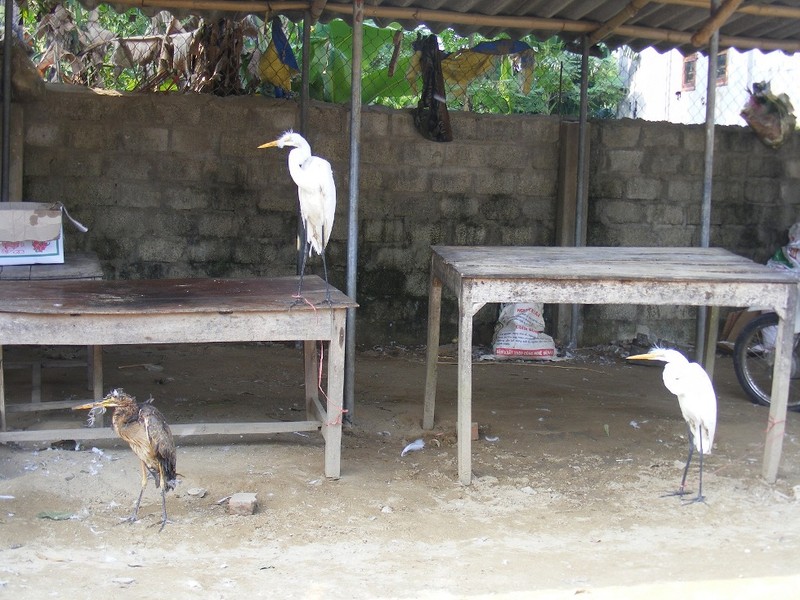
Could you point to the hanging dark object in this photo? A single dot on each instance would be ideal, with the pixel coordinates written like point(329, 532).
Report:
point(431, 117)
point(215, 59)
point(770, 117)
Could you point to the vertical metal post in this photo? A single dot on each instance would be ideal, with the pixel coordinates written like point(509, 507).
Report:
point(708, 176)
point(352, 212)
point(581, 204)
point(304, 97)
point(5, 174)
point(304, 72)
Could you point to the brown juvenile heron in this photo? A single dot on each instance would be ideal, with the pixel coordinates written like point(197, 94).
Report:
point(145, 430)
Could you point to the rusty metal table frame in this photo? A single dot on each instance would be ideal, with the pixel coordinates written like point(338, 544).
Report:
point(594, 275)
point(186, 311)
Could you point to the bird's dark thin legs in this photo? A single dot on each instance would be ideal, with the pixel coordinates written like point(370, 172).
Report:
point(327, 285)
point(688, 462)
point(699, 497)
point(299, 297)
point(681, 491)
point(135, 516)
point(163, 504)
point(302, 271)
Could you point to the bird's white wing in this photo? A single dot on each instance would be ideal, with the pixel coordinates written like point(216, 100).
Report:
point(698, 402)
point(317, 195)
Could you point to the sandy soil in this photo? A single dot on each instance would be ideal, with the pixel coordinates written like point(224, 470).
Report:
point(567, 500)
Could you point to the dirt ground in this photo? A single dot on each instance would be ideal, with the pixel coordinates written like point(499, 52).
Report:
point(569, 472)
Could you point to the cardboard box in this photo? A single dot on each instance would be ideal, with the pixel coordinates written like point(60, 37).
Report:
point(31, 233)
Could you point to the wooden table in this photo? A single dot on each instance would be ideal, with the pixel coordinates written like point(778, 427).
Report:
point(594, 275)
point(186, 311)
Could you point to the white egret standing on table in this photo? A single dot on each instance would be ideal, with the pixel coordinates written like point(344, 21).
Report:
point(698, 402)
point(316, 191)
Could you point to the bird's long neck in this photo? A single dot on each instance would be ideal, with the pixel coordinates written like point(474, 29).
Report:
point(297, 158)
point(124, 415)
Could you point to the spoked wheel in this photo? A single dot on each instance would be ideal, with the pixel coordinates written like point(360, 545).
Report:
point(754, 357)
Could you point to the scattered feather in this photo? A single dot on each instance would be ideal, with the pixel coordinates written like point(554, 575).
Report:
point(413, 447)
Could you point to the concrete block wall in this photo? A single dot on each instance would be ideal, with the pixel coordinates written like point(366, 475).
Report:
point(173, 186)
point(646, 189)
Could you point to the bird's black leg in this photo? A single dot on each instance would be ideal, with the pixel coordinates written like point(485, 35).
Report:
point(302, 271)
point(699, 497)
point(135, 516)
point(299, 296)
point(681, 491)
point(327, 285)
point(163, 505)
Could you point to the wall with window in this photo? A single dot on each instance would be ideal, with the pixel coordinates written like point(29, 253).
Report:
point(671, 87)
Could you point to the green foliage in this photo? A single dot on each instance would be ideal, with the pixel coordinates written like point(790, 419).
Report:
point(555, 84)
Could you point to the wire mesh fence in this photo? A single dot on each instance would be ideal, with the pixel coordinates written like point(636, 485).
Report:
point(401, 69)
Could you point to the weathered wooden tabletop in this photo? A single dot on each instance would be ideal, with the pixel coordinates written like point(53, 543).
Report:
point(593, 263)
point(147, 296)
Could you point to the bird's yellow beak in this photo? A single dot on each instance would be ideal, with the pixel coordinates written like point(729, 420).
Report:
point(648, 356)
point(104, 403)
point(271, 144)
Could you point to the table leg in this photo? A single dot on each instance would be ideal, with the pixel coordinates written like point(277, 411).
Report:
point(432, 360)
point(36, 382)
point(464, 424)
point(332, 428)
point(95, 360)
point(710, 353)
point(2, 394)
point(310, 369)
point(778, 397)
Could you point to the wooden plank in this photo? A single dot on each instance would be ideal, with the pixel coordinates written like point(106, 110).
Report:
point(2, 393)
point(165, 328)
point(332, 425)
point(643, 264)
point(178, 430)
point(175, 296)
point(185, 429)
point(79, 265)
point(46, 405)
point(464, 419)
point(432, 351)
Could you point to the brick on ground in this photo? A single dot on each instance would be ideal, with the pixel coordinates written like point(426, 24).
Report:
point(243, 503)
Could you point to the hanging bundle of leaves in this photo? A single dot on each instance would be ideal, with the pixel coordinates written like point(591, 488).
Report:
point(215, 59)
point(770, 117)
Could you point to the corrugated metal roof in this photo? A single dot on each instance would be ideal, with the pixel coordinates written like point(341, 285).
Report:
point(663, 24)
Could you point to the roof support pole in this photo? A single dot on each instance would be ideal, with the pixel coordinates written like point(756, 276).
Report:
point(304, 98)
point(582, 201)
point(703, 355)
point(5, 174)
point(352, 208)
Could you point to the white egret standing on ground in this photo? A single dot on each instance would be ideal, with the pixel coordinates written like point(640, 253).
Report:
point(698, 402)
point(316, 191)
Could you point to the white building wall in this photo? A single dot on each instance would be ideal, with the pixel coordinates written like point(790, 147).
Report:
point(656, 94)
